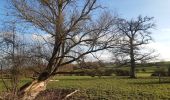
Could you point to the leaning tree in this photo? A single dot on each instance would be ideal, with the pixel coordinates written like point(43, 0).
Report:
point(135, 34)
point(77, 28)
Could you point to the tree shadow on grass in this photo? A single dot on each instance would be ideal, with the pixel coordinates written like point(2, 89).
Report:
point(151, 83)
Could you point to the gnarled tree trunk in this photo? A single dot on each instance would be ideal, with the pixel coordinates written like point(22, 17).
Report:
point(30, 90)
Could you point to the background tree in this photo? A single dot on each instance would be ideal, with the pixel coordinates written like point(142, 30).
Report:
point(74, 28)
point(134, 35)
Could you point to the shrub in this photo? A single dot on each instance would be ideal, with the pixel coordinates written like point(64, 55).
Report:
point(160, 72)
point(120, 72)
point(90, 72)
point(95, 72)
point(79, 72)
point(143, 70)
point(108, 72)
point(99, 72)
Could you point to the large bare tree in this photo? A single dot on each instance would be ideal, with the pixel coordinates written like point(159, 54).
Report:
point(135, 34)
point(76, 28)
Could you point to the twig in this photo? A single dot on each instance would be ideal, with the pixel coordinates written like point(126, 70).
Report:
point(71, 94)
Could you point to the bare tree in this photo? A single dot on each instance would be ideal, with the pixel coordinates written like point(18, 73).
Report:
point(134, 35)
point(75, 28)
point(12, 57)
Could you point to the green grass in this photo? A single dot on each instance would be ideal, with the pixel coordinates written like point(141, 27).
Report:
point(142, 74)
point(113, 88)
point(116, 88)
point(21, 82)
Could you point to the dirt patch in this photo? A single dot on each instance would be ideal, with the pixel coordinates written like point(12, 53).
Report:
point(54, 94)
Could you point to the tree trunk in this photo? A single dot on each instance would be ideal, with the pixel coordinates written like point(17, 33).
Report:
point(132, 71)
point(132, 59)
point(30, 90)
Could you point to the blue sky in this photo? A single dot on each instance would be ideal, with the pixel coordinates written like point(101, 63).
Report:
point(132, 8)
point(159, 9)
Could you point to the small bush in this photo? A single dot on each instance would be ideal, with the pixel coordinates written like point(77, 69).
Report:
point(160, 72)
point(108, 72)
point(90, 72)
point(99, 72)
point(143, 70)
point(119, 72)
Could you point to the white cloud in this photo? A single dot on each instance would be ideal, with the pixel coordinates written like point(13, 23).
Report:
point(162, 50)
point(102, 55)
point(38, 37)
point(161, 43)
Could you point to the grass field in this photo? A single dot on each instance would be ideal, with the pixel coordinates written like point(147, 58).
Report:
point(116, 88)
point(113, 88)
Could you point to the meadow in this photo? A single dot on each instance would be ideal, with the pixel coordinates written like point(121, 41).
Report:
point(145, 87)
point(115, 88)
